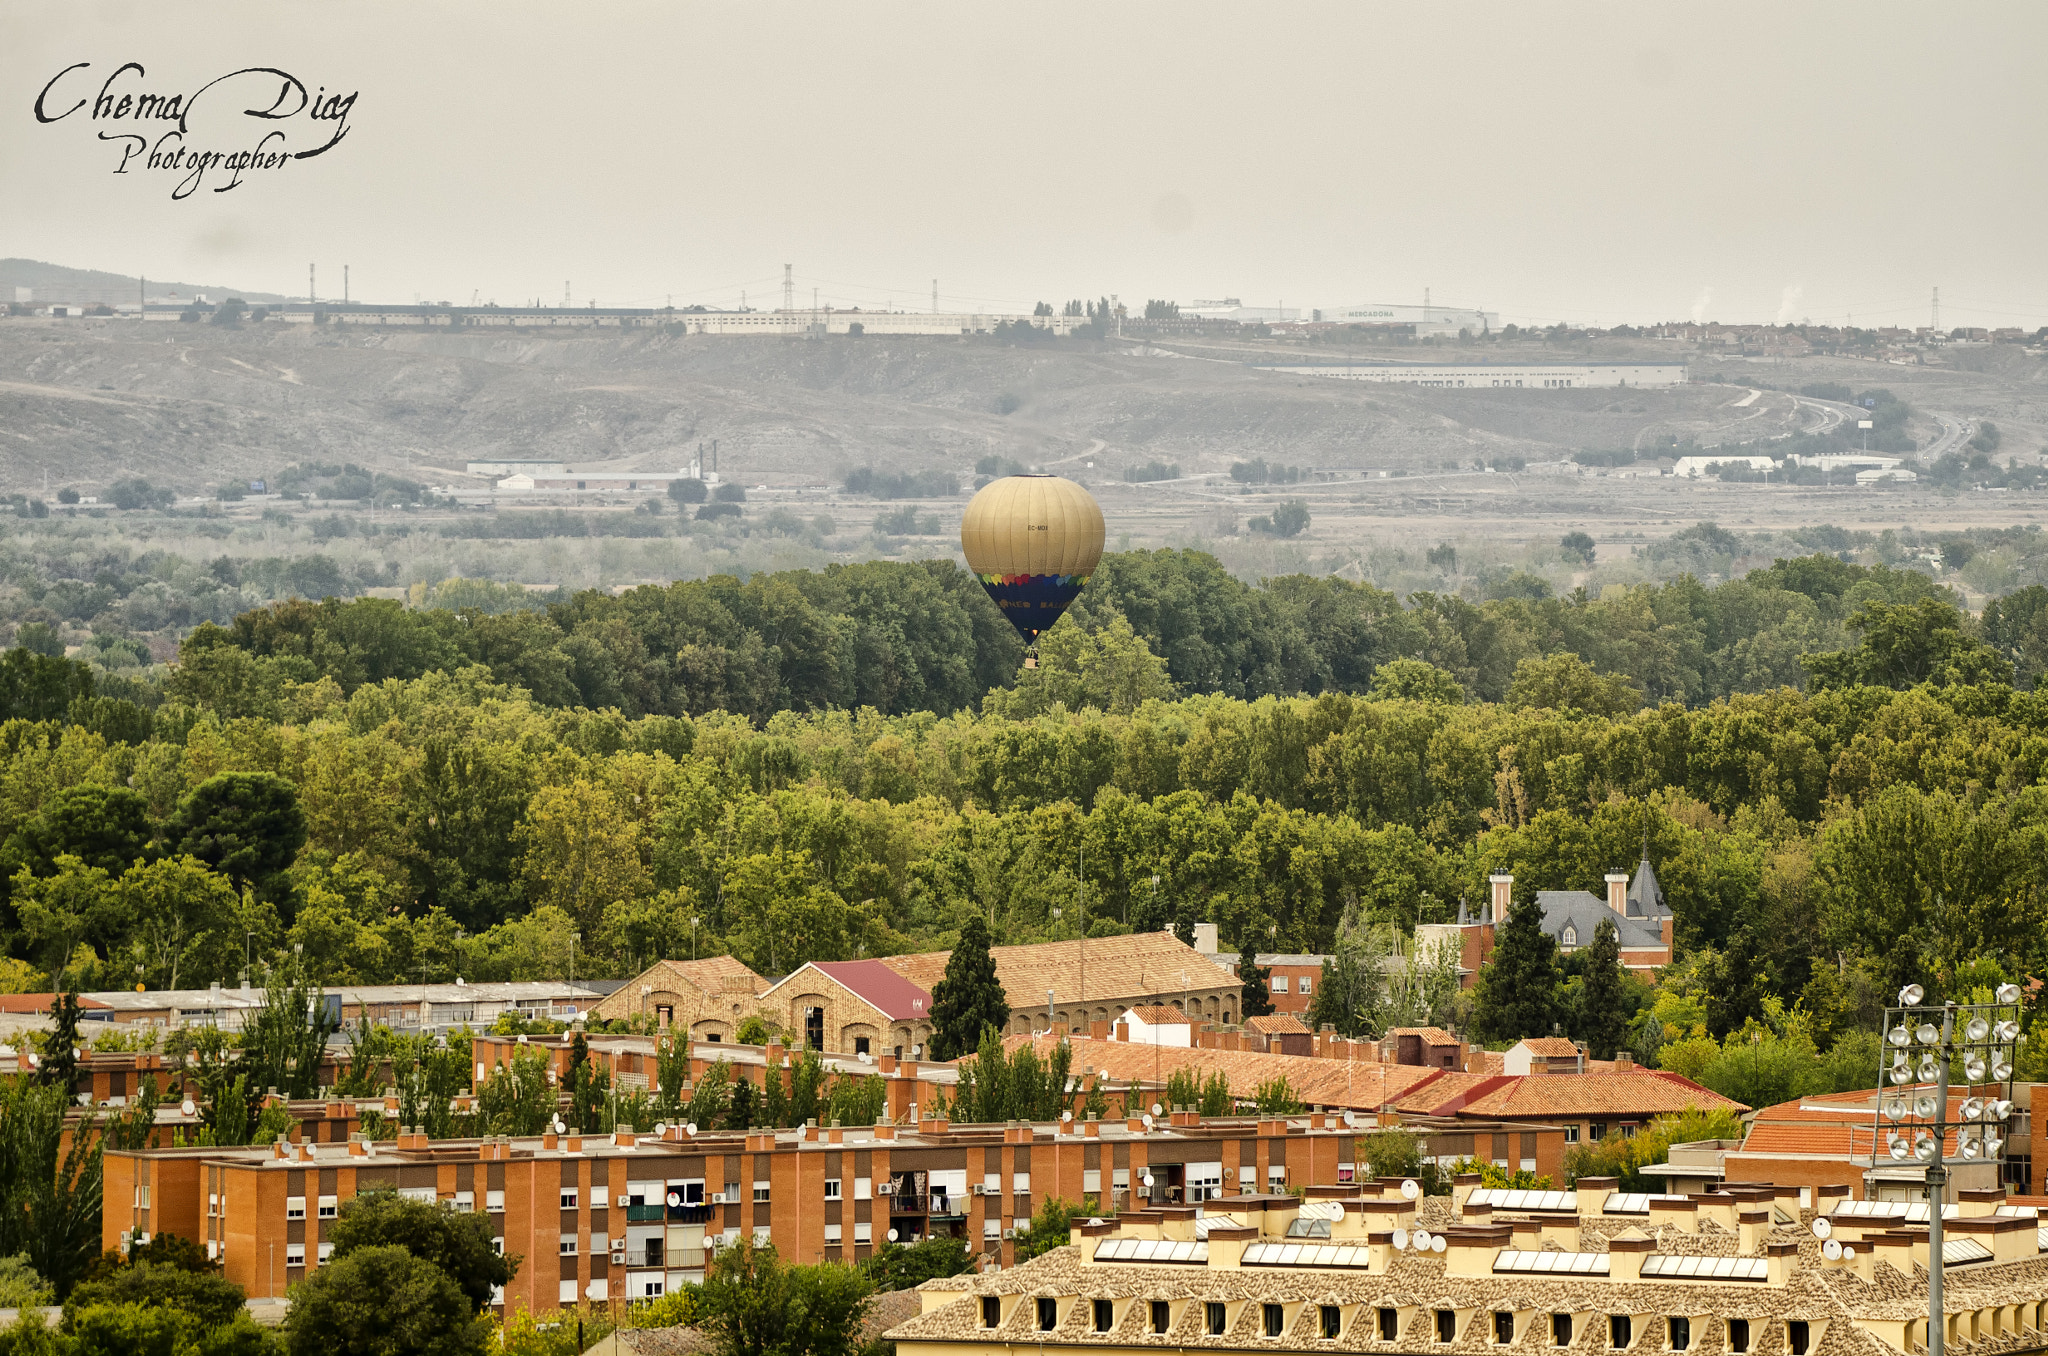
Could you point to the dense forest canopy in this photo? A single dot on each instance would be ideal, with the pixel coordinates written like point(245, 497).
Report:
point(1830, 765)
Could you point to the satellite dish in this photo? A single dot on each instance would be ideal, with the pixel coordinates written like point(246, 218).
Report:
point(1420, 1240)
point(1148, 1179)
point(675, 1198)
point(1066, 1117)
point(1335, 1209)
point(1156, 1108)
point(1436, 1243)
point(1147, 1119)
point(1032, 541)
point(1410, 1189)
point(1821, 1227)
point(690, 1129)
point(1400, 1240)
point(659, 1129)
point(1848, 1252)
point(189, 1107)
point(1832, 1250)
point(892, 1235)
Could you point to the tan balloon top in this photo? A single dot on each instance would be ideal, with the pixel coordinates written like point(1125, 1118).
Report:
point(1032, 525)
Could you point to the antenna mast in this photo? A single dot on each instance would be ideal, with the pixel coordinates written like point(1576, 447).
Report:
point(788, 290)
point(1934, 320)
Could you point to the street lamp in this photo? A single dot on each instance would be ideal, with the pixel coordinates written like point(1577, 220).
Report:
point(1921, 1043)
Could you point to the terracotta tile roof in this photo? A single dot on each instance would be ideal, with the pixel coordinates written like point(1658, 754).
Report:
point(1821, 1141)
point(886, 991)
point(1551, 1047)
point(1119, 969)
point(30, 1003)
point(1649, 1093)
point(1158, 1014)
point(713, 974)
point(1485, 1062)
point(1278, 1024)
point(1430, 1035)
point(1316, 1082)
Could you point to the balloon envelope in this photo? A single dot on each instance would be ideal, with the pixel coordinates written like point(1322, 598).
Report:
point(1032, 540)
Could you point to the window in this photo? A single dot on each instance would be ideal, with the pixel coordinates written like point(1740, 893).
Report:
point(1091, 1181)
point(568, 1198)
point(1796, 1336)
point(1678, 1328)
point(1020, 1182)
point(991, 1311)
point(1105, 1315)
point(1571, 1134)
point(1275, 1319)
point(1390, 1324)
point(1570, 936)
point(330, 1206)
point(1738, 1334)
point(991, 1228)
point(497, 1245)
point(713, 1037)
point(213, 1203)
point(295, 1254)
point(465, 1200)
point(831, 1188)
point(863, 1233)
point(568, 1248)
point(294, 1207)
point(1332, 1321)
point(863, 1188)
point(1446, 1325)
point(600, 1244)
point(860, 1045)
point(494, 1201)
point(1276, 1179)
point(760, 1193)
point(1503, 1327)
point(1620, 1331)
point(567, 1294)
point(833, 1233)
point(1162, 1316)
point(142, 1200)
point(1048, 1313)
point(1304, 987)
point(1214, 1318)
point(1279, 984)
point(1560, 1330)
point(1597, 1130)
point(326, 1252)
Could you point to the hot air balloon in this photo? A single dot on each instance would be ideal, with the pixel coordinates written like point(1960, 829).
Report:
point(1032, 540)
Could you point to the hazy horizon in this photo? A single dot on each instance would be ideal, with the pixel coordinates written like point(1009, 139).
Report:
point(1589, 163)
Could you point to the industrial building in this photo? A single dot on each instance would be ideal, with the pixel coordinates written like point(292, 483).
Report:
point(1532, 376)
point(1447, 321)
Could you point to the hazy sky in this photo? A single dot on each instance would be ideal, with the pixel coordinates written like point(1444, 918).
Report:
point(1588, 162)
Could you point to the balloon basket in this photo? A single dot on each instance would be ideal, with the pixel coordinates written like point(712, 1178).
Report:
point(1031, 658)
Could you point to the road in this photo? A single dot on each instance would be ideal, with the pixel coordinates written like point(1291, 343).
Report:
point(1954, 433)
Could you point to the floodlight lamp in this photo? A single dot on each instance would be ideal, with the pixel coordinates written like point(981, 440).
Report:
point(1901, 1074)
point(1895, 1110)
point(1973, 1067)
point(1923, 1107)
point(1898, 1148)
point(2000, 1109)
point(2007, 1031)
point(1925, 1150)
point(1973, 1108)
point(1928, 1069)
point(1970, 1148)
point(1976, 1029)
point(1992, 1145)
point(2001, 1070)
point(1910, 996)
point(1899, 1035)
point(2008, 993)
point(1927, 1033)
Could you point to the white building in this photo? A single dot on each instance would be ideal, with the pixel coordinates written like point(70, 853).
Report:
point(1156, 1025)
point(1539, 376)
point(1230, 308)
point(514, 468)
point(1428, 320)
point(1696, 467)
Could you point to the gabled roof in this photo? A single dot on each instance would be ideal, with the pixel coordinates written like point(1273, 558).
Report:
point(1645, 895)
point(717, 974)
point(1649, 1092)
point(1315, 1082)
point(1278, 1024)
point(1430, 1035)
point(877, 985)
point(1550, 1047)
point(1158, 1014)
point(1582, 913)
point(1101, 970)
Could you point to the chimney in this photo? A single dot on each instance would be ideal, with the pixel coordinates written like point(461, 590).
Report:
point(1503, 896)
point(1617, 891)
point(1624, 1061)
point(1625, 1253)
point(1781, 1260)
point(1205, 938)
point(1752, 1228)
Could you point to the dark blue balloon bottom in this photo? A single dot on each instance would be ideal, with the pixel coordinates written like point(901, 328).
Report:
point(1033, 602)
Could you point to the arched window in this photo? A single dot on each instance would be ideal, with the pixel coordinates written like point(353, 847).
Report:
point(1570, 936)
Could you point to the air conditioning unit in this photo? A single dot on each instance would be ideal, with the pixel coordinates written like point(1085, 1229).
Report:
point(1009, 1234)
point(885, 1188)
point(982, 1189)
point(718, 1198)
point(623, 1201)
point(619, 1258)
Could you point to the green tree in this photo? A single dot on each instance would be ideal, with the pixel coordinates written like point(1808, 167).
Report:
point(754, 1304)
point(246, 825)
point(382, 1301)
point(1606, 1004)
point(1516, 995)
point(1052, 1226)
point(20, 1286)
point(212, 1299)
point(458, 1243)
point(1257, 998)
point(969, 997)
point(1577, 548)
point(1276, 1097)
point(1415, 680)
point(1924, 641)
point(1565, 682)
point(895, 1266)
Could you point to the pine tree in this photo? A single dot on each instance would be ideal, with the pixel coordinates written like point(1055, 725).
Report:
point(1605, 1004)
point(59, 1067)
point(1516, 994)
point(970, 997)
point(1258, 999)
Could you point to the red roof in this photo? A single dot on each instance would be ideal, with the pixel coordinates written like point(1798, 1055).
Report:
point(1159, 1014)
point(1551, 1047)
point(891, 994)
point(31, 1003)
point(1644, 1094)
point(1279, 1024)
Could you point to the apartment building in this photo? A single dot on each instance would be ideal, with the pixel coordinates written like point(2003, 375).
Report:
point(599, 1219)
point(1367, 1268)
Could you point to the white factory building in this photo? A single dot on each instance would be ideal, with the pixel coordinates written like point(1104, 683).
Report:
point(1538, 376)
point(1428, 320)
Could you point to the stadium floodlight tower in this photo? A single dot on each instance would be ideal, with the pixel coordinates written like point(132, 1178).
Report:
point(1923, 1042)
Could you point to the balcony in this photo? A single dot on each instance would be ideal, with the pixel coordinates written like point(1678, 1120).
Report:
point(909, 1203)
point(647, 1214)
point(690, 1214)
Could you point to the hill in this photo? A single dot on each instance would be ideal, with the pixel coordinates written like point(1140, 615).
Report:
point(89, 286)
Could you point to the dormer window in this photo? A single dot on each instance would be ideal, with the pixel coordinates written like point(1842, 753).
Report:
point(1570, 936)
